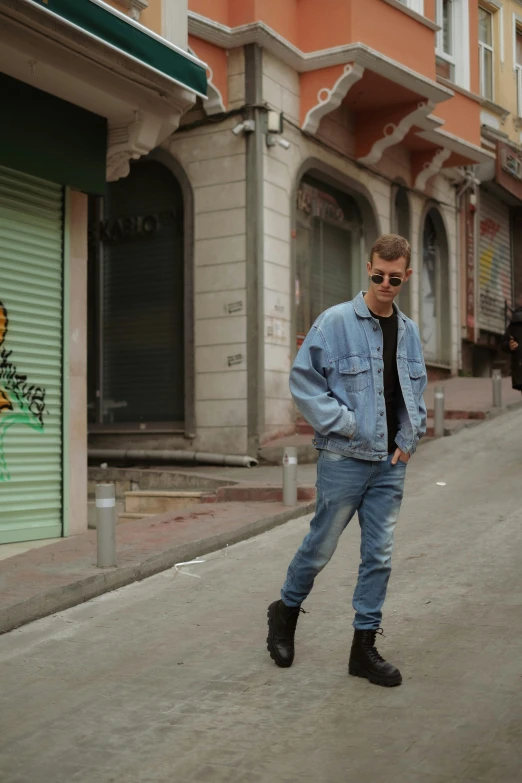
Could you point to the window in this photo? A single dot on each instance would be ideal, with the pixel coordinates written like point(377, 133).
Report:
point(446, 38)
point(518, 68)
point(486, 53)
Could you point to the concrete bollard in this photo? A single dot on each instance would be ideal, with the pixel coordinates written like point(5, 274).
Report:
point(497, 388)
point(290, 476)
point(106, 525)
point(438, 409)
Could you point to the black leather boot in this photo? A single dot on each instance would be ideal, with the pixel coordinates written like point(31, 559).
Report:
point(365, 661)
point(282, 622)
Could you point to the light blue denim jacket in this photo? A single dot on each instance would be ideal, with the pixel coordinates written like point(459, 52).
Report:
point(337, 382)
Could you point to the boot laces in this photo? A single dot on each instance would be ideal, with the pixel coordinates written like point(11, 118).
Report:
point(371, 649)
point(290, 622)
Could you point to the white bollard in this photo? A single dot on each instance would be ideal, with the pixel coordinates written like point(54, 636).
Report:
point(497, 388)
point(290, 476)
point(438, 411)
point(106, 525)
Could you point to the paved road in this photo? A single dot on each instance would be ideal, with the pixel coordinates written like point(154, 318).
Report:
point(169, 680)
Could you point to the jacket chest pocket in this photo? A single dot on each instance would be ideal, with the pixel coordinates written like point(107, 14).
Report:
point(417, 377)
point(355, 373)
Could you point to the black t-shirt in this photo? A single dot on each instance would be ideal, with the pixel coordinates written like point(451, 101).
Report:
point(392, 388)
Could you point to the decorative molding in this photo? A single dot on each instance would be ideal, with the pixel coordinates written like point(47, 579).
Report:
point(331, 99)
point(431, 167)
point(302, 62)
point(394, 133)
point(214, 103)
point(132, 141)
point(134, 7)
point(455, 144)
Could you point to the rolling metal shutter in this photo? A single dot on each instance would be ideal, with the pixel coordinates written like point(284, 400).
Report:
point(143, 296)
point(332, 269)
point(495, 268)
point(31, 365)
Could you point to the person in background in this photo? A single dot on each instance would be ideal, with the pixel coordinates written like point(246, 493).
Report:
point(512, 343)
point(358, 379)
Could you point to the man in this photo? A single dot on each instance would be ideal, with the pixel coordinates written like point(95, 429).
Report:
point(358, 379)
point(511, 343)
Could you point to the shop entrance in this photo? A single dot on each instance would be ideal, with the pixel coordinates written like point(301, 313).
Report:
point(136, 303)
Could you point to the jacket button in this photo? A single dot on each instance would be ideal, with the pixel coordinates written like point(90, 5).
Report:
point(379, 370)
point(378, 347)
point(382, 435)
point(374, 328)
point(382, 413)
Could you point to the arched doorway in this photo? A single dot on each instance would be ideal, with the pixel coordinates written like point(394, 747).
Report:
point(401, 225)
point(335, 224)
point(136, 376)
point(435, 291)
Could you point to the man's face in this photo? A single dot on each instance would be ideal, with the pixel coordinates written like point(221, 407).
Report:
point(384, 291)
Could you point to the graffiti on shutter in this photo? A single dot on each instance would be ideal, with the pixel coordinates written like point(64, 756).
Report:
point(494, 264)
point(20, 402)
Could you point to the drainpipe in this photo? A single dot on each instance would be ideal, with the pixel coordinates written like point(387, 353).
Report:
point(168, 455)
point(469, 182)
point(255, 247)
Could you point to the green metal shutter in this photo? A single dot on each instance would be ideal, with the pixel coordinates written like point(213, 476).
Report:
point(495, 269)
point(31, 365)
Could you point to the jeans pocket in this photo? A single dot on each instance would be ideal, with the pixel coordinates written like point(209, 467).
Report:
point(332, 456)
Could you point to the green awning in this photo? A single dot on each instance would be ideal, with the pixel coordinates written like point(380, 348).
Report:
point(101, 21)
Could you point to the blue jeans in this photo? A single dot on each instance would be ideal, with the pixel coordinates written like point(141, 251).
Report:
point(346, 485)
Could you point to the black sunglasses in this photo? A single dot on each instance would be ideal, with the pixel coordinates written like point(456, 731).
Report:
point(378, 279)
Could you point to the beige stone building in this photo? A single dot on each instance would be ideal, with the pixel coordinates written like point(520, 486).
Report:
point(319, 133)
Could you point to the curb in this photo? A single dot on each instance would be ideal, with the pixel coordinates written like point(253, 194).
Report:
point(67, 596)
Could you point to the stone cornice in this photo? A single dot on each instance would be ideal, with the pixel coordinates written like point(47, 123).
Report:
point(302, 62)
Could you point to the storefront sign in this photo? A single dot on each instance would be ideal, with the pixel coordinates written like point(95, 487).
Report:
point(511, 161)
point(122, 228)
point(509, 169)
point(470, 274)
point(317, 203)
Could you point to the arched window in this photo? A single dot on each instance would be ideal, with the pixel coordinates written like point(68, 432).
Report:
point(328, 263)
point(435, 291)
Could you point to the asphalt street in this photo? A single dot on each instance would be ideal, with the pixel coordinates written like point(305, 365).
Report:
point(168, 680)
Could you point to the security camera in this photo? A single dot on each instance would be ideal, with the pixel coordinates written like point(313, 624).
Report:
point(248, 126)
point(272, 139)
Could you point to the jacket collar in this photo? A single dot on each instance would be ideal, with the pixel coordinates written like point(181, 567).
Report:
point(361, 308)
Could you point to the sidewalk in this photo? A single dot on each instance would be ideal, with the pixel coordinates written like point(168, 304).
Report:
point(62, 574)
point(54, 576)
